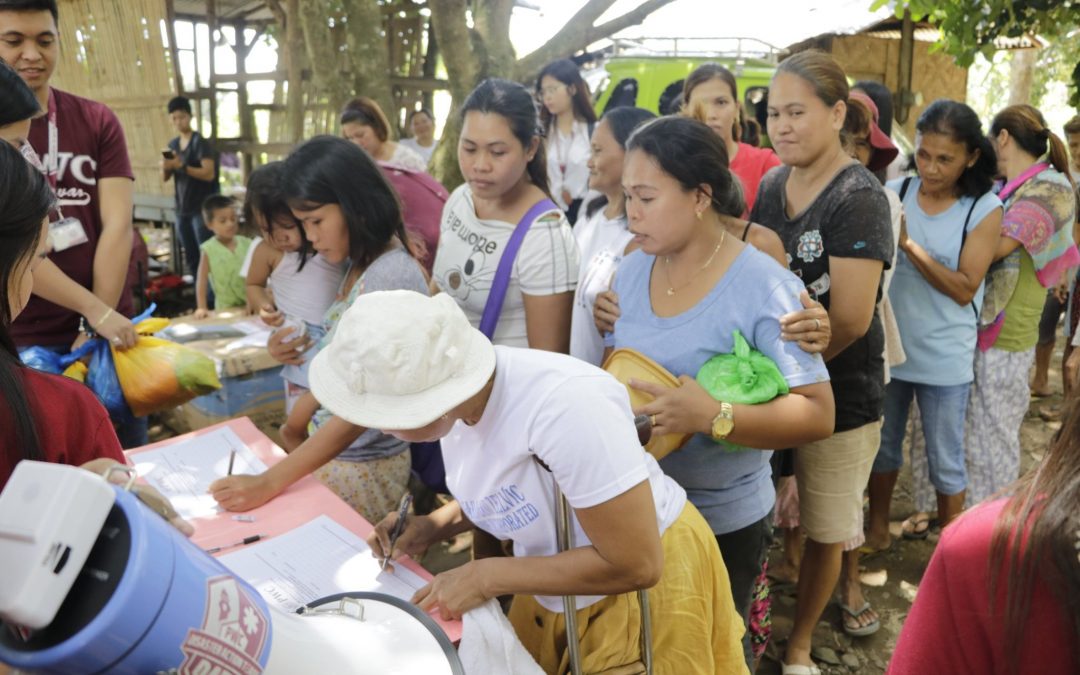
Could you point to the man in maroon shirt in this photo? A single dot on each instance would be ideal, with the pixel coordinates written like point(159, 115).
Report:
point(81, 144)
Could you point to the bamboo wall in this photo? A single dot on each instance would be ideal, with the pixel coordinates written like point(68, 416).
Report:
point(933, 75)
point(112, 51)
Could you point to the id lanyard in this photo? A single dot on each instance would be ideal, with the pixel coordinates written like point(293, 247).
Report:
point(52, 160)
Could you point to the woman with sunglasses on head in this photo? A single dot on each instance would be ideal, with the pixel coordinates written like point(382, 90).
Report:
point(568, 119)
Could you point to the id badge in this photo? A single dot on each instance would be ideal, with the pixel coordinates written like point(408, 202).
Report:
point(66, 233)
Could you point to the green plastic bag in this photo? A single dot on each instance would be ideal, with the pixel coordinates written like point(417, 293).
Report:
point(745, 377)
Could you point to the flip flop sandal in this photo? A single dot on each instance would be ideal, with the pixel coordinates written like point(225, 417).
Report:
point(861, 631)
point(910, 528)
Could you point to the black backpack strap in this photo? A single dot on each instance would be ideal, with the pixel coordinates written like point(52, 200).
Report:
point(963, 238)
point(904, 186)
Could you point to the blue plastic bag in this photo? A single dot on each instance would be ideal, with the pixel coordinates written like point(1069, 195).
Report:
point(42, 358)
point(101, 378)
point(101, 373)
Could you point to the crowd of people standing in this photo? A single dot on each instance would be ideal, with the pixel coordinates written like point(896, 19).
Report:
point(900, 309)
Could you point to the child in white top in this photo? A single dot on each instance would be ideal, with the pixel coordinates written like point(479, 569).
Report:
point(303, 283)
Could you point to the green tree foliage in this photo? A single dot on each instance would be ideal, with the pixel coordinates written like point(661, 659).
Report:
point(969, 28)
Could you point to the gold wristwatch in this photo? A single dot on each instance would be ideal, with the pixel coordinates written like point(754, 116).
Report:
point(724, 422)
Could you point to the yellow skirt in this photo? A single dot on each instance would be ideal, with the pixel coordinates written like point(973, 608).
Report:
point(695, 628)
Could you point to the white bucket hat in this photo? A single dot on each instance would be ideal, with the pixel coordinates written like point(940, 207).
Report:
point(400, 360)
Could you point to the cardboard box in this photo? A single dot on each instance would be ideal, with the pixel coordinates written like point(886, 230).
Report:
point(251, 384)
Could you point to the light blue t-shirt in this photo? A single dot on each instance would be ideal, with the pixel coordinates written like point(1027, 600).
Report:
point(938, 335)
point(731, 489)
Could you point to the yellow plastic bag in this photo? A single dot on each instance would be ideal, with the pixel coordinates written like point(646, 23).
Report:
point(76, 371)
point(157, 374)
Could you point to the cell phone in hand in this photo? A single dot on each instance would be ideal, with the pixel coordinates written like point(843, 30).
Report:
point(168, 154)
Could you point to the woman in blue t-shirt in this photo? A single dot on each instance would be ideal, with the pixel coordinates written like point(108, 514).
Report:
point(951, 230)
point(682, 295)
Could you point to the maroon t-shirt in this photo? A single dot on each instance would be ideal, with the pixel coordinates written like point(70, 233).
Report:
point(91, 146)
point(72, 426)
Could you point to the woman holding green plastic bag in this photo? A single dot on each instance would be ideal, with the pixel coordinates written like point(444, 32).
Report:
point(682, 297)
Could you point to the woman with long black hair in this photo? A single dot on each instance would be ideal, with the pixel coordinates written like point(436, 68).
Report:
point(42, 417)
point(568, 119)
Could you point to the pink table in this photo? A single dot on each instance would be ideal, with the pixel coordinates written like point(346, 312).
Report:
point(302, 502)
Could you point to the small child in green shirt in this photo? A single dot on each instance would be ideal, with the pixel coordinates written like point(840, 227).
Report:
point(221, 258)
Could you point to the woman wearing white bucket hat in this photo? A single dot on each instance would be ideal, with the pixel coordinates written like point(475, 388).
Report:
point(514, 424)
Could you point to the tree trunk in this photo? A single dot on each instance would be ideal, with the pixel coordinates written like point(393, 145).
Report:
point(1021, 75)
point(368, 54)
point(294, 52)
point(326, 61)
point(470, 55)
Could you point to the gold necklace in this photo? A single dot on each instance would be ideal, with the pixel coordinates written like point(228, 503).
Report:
point(671, 290)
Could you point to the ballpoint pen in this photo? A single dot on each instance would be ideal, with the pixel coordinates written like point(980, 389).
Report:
point(243, 542)
point(399, 527)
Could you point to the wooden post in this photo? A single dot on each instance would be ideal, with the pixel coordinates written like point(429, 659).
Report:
point(294, 49)
point(247, 122)
point(905, 98)
point(211, 23)
point(174, 56)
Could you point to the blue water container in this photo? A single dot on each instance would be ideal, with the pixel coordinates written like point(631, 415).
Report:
point(148, 600)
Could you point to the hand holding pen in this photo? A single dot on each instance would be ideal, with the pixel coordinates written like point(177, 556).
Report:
point(399, 528)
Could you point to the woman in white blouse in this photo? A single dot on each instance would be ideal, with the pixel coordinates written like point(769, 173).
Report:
point(568, 119)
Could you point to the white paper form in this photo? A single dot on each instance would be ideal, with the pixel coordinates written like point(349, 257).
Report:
point(183, 471)
point(317, 559)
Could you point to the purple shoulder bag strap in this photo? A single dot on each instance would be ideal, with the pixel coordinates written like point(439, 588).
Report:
point(494, 305)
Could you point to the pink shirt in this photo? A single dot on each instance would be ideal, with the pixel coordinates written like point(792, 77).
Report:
point(950, 628)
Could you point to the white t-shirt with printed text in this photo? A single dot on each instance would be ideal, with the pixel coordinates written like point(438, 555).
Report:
point(469, 253)
point(573, 417)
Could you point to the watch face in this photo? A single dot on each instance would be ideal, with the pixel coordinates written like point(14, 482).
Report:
point(722, 426)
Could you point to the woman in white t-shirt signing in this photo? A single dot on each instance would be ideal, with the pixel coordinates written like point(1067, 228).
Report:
point(568, 118)
point(501, 155)
point(514, 425)
point(601, 231)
